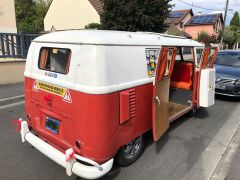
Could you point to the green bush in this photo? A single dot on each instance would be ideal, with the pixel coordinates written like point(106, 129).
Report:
point(93, 26)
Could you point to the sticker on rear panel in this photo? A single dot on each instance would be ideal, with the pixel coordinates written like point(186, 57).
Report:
point(59, 91)
point(67, 97)
point(35, 87)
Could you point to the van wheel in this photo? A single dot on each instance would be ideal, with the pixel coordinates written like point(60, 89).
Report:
point(130, 152)
point(193, 112)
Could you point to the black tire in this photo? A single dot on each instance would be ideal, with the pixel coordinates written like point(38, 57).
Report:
point(193, 111)
point(127, 156)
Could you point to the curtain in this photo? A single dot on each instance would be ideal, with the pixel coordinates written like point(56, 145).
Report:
point(68, 62)
point(43, 58)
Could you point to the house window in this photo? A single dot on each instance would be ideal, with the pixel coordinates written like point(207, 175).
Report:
point(181, 25)
point(54, 59)
point(218, 26)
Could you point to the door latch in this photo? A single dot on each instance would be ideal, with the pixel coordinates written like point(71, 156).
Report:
point(158, 100)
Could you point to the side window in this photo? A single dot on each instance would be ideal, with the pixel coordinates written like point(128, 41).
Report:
point(212, 53)
point(179, 56)
point(185, 54)
point(188, 54)
point(54, 59)
point(199, 53)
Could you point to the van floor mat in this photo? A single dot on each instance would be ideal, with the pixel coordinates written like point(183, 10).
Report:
point(180, 96)
point(175, 108)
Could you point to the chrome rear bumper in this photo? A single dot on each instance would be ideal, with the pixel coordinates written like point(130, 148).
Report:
point(67, 160)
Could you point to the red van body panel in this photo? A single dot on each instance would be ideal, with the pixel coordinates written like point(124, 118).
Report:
point(93, 120)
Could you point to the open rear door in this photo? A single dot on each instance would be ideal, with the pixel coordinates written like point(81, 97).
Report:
point(207, 78)
point(160, 106)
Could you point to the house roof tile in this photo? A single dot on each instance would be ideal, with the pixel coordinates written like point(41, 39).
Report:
point(177, 20)
point(98, 5)
point(173, 29)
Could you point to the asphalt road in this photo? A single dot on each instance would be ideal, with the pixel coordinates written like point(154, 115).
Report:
point(11, 90)
point(170, 158)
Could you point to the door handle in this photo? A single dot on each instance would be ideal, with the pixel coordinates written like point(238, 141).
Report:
point(211, 87)
point(158, 100)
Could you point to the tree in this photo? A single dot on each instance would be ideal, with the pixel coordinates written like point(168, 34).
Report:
point(234, 30)
point(25, 15)
point(229, 37)
point(30, 15)
point(41, 9)
point(135, 15)
point(206, 38)
point(235, 22)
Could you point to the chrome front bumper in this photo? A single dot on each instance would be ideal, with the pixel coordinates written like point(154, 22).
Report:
point(226, 94)
point(70, 164)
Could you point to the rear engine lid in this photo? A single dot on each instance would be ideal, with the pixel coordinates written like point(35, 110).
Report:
point(52, 96)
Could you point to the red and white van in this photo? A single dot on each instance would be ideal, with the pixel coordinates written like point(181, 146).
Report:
point(91, 95)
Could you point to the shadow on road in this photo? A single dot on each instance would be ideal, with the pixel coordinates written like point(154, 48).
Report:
point(202, 113)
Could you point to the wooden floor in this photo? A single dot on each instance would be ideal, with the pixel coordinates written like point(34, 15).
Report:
point(175, 108)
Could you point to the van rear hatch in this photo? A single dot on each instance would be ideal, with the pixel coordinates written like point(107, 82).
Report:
point(52, 100)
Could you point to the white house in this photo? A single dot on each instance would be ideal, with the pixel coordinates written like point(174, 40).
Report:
point(7, 17)
point(72, 14)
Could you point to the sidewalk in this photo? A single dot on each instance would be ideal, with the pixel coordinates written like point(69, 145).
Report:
point(229, 166)
point(234, 170)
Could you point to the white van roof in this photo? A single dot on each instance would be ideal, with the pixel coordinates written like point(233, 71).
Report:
point(100, 37)
point(102, 61)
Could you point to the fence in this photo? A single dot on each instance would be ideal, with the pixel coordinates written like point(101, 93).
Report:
point(15, 45)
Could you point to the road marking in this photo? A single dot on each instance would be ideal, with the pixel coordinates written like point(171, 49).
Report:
point(12, 105)
point(11, 98)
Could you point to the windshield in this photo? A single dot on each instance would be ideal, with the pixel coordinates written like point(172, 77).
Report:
point(228, 59)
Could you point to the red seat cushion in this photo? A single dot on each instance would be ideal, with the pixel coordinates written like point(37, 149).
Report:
point(182, 75)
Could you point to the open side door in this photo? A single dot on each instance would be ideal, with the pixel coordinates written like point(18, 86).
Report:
point(161, 87)
point(207, 78)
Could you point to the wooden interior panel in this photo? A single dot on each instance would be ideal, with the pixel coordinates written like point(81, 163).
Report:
point(175, 108)
point(161, 113)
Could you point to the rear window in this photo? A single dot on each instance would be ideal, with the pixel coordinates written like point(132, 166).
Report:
point(54, 59)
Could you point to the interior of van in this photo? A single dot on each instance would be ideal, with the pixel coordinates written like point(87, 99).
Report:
point(175, 88)
point(181, 79)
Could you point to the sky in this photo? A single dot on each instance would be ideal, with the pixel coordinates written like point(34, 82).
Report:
point(217, 5)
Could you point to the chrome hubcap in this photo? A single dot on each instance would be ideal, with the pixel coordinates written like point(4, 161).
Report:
point(131, 149)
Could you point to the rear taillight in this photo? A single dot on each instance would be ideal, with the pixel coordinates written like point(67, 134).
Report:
point(29, 117)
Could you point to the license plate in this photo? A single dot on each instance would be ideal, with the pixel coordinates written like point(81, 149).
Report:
point(219, 86)
point(52, 125)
